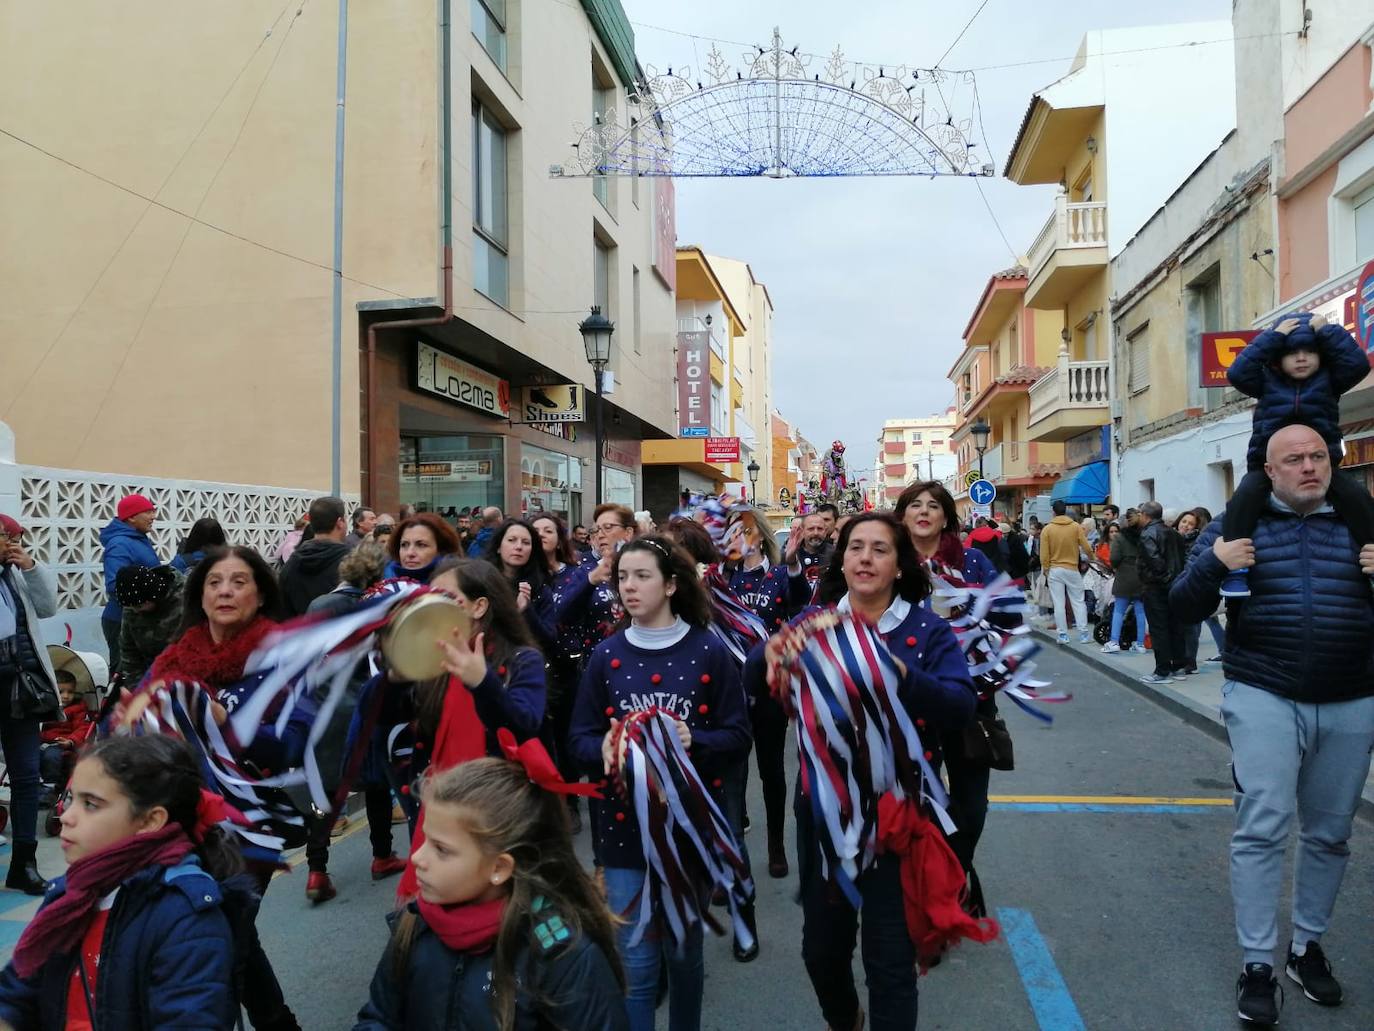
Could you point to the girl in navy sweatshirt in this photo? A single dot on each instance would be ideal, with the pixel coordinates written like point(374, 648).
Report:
point(666, 659)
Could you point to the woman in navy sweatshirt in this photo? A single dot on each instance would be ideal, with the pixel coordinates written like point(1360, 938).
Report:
point(877, 575)
point(666, 659)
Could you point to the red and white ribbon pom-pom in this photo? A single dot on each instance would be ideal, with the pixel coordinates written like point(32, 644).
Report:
point(688, 845)
point(999, 658)
point(855, 740)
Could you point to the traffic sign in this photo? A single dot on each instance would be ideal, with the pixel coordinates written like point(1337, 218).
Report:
point(971, 477)
point(696, 431)
point(982, 511)
point(982, 492)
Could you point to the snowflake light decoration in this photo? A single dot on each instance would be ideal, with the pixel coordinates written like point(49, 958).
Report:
point(772, 115)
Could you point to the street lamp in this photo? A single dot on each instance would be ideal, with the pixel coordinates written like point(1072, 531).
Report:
point(596, 332)
point(753, 470)
point(980, 431)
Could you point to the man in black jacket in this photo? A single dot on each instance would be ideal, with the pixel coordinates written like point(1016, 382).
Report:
point(313, 568)
point(1160, 562)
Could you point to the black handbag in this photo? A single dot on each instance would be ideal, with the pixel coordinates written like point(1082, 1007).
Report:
point(987, 741)
point(32, 697)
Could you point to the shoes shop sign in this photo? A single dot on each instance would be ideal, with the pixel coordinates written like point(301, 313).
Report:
point(559, 402)
point(457, 381)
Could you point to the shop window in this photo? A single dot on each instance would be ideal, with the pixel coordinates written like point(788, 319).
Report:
point(549, 483)
point(1364, 226)
point(490, 207)
point(439, 474)
point(489, 26)
point(618, 486)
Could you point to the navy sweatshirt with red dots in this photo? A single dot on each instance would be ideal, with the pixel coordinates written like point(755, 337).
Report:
point(696, 679)
point(512, 696)
point(773, 595)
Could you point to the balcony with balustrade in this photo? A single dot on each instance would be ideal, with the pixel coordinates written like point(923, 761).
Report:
point(1070, 250)
point(1070, 398)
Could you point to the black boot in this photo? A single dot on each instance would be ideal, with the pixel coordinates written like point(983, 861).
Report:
point(23, 875)
point(743, 955)
point(777, 853)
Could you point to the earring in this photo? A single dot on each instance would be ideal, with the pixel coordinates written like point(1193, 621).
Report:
point(899, 576)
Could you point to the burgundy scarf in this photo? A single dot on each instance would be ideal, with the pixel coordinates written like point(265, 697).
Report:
point(60, 925)
point(196, 656)
point(467, 927)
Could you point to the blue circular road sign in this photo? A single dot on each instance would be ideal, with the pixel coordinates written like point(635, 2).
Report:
point(982, 492)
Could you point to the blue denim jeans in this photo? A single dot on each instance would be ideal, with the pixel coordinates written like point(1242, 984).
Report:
point(735, 782)
point(19, 739)
point(686, 965)
point(1119, 606)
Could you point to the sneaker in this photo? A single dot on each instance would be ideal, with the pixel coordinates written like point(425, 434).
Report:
point(1313, 972)
point(383, 868)
point(1063, 638)
point(1137, 649)
point(1236, 584)
point(1255, 994)
point(1214, 660)
point(1084, 637)
point(319, 888)
point(1111, 648)
point(1155, 678)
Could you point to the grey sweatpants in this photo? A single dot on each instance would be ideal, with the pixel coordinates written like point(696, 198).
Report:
point(1291, 756)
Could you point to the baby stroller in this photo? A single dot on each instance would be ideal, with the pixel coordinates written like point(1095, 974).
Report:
point(62, 740)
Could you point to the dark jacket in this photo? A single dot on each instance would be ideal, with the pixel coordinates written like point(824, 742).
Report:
point(1018, 555)
point(1307, 630)
point(1125, 564)
point(571, 985)
point(166, 961)
point(990, 543)
point(312, 570)
point(1314, 401)
point(1162, 555)
point(124, 546)
point(187, 561)
point(143, 635)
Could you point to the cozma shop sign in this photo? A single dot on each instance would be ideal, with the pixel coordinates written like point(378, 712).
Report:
point(457, 381)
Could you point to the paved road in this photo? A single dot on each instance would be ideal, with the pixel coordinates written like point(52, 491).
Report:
point(1116, 916)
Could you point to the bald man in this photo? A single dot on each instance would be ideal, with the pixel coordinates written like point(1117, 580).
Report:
point(1298, 704)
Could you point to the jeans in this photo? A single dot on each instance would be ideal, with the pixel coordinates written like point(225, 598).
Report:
point(830, 926)
point(734, 783)
point(110, 628)
point(19, 739)
point(1291, 757)
point(686, 965)
point(1068, 581)
point(968, 792)
point(1192, 636)
point(1119, 607)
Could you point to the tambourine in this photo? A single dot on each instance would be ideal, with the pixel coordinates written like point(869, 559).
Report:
point(409, 642)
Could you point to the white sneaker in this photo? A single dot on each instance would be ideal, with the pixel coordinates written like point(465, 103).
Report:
point(1110, 648)
point(1063, 637)
point(1138, 649)
point(1084, 637)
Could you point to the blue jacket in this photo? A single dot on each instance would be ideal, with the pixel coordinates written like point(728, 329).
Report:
point(571, 984)
point(479, 542)
point(1314, 401)
point(184, 562)
point(124, 546)
point(167, 960)
point(1307, 630)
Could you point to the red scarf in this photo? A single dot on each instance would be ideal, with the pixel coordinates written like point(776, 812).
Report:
point(467, 927)
point(196, 656)
point(459, 737)
point(933, 882)
point(60, 925)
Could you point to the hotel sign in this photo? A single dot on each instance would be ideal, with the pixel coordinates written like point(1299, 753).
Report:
point(693, 383)
point(457, 381)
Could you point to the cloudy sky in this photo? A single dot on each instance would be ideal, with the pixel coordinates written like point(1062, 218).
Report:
point(873, 280)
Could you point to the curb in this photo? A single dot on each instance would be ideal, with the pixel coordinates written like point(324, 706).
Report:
point(1195, 714)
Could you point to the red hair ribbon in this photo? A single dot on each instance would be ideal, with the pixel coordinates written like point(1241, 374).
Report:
point(539, 767)
point(212, 810)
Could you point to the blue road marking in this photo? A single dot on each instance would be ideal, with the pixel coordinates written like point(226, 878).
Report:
point(1094, 807)
point(1049, 996)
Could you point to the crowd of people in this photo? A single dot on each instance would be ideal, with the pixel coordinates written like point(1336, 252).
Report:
point(573, 642)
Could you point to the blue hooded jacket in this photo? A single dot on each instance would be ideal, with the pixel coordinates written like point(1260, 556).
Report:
point(1281, 400)
point(1306, 632)
point(167, 960)
point(124, 546)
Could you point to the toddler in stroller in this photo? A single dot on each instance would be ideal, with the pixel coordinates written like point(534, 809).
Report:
point(81, 681)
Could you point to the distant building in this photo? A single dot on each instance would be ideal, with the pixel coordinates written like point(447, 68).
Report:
point(911, 450)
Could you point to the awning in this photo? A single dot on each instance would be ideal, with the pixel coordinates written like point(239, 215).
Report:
point(1089, 485)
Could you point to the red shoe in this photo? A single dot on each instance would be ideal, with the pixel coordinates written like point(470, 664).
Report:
point(382, 868)
point(319, 888)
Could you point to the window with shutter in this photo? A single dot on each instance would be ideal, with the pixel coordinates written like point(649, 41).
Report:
point(1138, 344)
